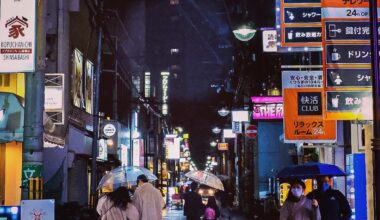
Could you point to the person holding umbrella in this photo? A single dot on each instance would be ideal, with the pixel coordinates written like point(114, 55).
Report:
point(297, 206)
point(194, 207)
point(333, 204)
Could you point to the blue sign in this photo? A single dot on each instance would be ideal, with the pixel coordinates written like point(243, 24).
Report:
point(348, 101)
point(302, 15)
point(347, 30)
point(348, 54)
point(342, 77)
point(303, 34)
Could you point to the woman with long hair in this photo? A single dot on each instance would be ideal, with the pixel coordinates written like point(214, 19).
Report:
point(117, 205)
point(211, 210)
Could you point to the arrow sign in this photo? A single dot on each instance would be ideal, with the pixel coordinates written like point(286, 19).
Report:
point(251, 131)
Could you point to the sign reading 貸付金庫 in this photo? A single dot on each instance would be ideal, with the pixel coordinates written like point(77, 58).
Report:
point(17, 36)
point(347, 30)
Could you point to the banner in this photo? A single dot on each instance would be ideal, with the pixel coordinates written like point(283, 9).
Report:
point(304, 108)
point(77, 79)
point(89, 86)
point(17, 35)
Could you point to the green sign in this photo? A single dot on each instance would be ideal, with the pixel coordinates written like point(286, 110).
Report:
point(30, 171)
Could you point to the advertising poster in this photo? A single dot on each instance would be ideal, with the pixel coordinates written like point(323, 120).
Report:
point(17, 36)
point(347, 60)
point(136, 152)
point(77, 79)
point(270, 41)
point(173, 148)
point(37, 209)
point(54, 97)
point(89, 86)
point(304, 108)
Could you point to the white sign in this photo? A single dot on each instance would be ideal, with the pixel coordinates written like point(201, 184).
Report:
point(109, 130)
point(53, 98)
point(102, 154)
point(165, 92)
point(136, 152)
point(17, 35)
point(124, 155)
point(37, 209)
point(240, 116)
point(227, 133)
point(173, 148)
point(270, 41)
point(302, 79)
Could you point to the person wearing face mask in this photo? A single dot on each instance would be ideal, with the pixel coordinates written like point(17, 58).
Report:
point(333, 204)
point(297, 206)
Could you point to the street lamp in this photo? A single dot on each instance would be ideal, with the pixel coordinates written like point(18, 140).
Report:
point(213, 144)
point(244, 33)
point(216, 130)
point(223, 112)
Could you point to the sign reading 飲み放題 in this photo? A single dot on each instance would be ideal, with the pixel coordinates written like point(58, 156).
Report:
point(17, 35)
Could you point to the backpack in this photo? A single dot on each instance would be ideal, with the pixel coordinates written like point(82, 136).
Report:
point(210, 214)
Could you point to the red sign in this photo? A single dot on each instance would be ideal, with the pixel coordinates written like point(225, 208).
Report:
point(251, 131)
point(222, 146)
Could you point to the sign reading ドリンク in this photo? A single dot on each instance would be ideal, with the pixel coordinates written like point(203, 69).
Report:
point(17, 35)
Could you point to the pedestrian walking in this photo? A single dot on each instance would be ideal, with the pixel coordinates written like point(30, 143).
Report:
point(117, 205)
point(332, 203)
point(194, 207)
point(148, 200)
point(297, 206)
point(211, 210)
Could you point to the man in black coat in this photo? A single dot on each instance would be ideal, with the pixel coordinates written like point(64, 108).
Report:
point(332, 203)
point(193, 208)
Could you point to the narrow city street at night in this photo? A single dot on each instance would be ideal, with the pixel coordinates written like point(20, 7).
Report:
point(189, 110)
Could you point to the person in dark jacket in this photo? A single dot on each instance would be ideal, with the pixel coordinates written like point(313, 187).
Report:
point(332, 203)
point(193, 208)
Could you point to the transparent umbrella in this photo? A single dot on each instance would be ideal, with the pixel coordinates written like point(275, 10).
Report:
point(206, 178)
point(124, 176)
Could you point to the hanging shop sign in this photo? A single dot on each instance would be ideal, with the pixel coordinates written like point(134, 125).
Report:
point(298, 25)
point(165, 92)
point(30, 171)
point(267, 107)
point(347, 60)
point(222, 146)
point(228, 133)
point(304, 108)
point(269, 40)
point(54, 97)
point(237, 127)
point(173, 146)
point(77, 79)
point(17, 36)
point(124, 155)
point(136, 152)
point(109, 129)
point(102, 150)
point(89, 86)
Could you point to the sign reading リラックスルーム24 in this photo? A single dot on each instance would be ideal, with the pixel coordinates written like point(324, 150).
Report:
point(17, 35)
point(347, 59)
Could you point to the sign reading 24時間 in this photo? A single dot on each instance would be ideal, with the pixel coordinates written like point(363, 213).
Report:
point(17, 35)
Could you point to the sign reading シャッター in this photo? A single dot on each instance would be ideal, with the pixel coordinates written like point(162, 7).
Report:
point(304, 107)
point(17, 35)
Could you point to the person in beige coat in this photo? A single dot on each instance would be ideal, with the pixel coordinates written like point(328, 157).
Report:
point(148, 200)
point(117, 206)
point(297, 206)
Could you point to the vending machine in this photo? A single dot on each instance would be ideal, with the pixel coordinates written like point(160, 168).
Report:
point(356, 185)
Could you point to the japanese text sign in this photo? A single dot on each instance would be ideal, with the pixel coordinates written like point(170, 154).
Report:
point(348, 77)
point(302, 79)
point(349, 104)
point(222, 146)
point(270, 41)
point(17, 35)
point(303, 119)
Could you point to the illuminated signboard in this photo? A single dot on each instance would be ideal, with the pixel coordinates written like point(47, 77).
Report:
point(267, 107)
point(165, 92)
